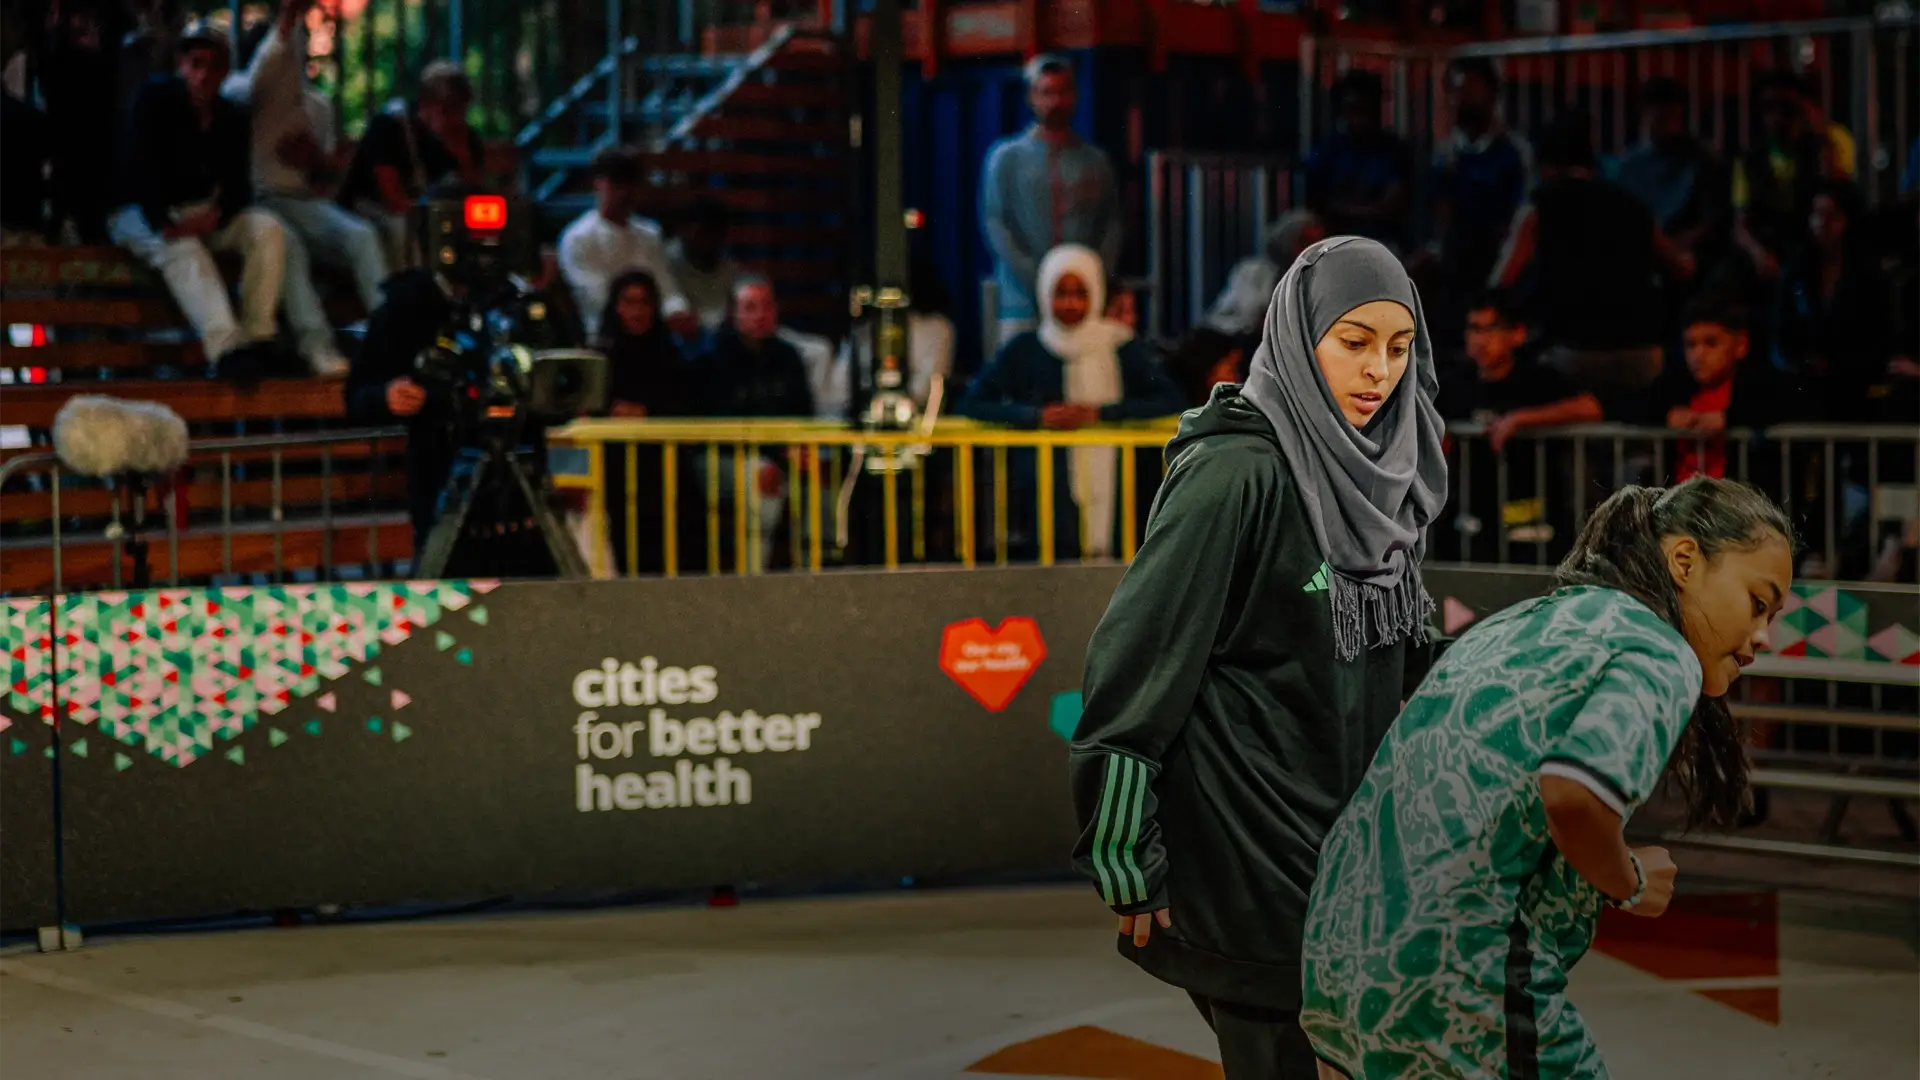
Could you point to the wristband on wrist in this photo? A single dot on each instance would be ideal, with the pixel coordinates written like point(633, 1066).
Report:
point(1639, 884)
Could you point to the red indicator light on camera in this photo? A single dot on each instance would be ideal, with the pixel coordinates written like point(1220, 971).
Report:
point(486, 212)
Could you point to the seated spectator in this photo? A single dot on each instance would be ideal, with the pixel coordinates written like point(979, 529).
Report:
point(697, 256)
point(1589, 255)
point(611, 239)
point(1481, 174)
point(1241, 307)
point(648, 375)
point(929, 356)
point(1076, 370)
point(748, 371)
point(1672, 172)
point(1773, 183)
point(292, 146)
point(648, 378)
point(405, 152)
point(1719, 388)
point(1507, 389)
point(186, 192)
point(1834, 311)
point(1359, 177)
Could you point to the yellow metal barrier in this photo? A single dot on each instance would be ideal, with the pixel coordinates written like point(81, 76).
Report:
point(815, 454)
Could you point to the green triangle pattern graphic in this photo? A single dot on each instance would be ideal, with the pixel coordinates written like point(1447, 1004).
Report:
point(178, 674)
point(121, 762)
point(465, 656)
point(374, 676)
point(374, 724)
point(17, 746)
point(478, 615)
point(237, 755)
point(442, 640)
point(79, 748)
point(401, 731)
point(313, 727)
point(276, 737)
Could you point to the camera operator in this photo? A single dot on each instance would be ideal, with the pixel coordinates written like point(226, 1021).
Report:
point(381, 388)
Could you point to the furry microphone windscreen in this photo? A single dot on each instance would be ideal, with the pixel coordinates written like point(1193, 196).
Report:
point(104, 436)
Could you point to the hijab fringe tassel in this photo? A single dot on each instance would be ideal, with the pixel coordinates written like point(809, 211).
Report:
point(1365, 616)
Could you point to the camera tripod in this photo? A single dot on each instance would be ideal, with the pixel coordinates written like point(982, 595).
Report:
point(495, 522)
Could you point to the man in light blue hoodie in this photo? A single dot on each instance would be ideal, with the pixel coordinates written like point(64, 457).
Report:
point(1043, 188)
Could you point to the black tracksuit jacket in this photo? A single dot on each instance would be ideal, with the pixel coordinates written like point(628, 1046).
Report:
point(1221, 735)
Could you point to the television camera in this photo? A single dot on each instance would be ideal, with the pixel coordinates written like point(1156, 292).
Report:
point(499, 361)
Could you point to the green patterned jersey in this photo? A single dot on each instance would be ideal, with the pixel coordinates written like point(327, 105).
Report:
point(1442, 922)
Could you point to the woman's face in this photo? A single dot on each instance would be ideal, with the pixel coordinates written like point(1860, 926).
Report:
point(1363, 356)
point(1727, 602)
point(636, 310)
point(1070, 300)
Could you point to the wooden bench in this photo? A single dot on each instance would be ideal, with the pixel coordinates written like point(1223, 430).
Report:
point(197, 400)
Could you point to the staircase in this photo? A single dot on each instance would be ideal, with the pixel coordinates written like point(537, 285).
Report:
point(764, 130)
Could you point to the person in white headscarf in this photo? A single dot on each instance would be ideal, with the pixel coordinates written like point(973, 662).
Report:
point(1077, 369)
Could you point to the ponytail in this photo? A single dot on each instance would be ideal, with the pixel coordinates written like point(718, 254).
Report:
point(1620, 548)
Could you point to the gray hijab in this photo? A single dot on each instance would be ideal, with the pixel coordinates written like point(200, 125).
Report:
point(1369, 492)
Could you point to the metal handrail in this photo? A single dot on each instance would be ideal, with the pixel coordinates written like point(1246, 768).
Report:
point(1623, 39)
point(715, 98)
point(231, 443)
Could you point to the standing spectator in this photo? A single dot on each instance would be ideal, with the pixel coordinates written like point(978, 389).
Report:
point(1043, 188)
point(1773, 184)
point(1241, 307)
point(186, 193)
point(611, 239)
point(1078, 369)
point(1834, 311)
point(1592, 253)
point(406, 152)
point(1481, 175)
point(291, 145)
point(697, 256)
point(77, 83)
point(1359, 177)
point(1672, 172)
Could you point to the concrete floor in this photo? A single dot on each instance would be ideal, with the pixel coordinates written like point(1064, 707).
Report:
point(937, 984)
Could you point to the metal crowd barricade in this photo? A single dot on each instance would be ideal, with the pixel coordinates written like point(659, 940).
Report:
point(1205, 212)
point(274, 504)
point(1851, 488)
point(1864, 68)
point(972, 464)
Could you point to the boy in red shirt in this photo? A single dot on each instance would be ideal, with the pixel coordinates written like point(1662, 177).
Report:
point(1719, 388)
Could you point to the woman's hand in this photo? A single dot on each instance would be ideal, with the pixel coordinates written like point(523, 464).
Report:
point(1140, 927)
point(1657, 864)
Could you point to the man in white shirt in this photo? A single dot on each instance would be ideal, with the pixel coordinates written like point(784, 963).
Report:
point(292, 137)
point(610, 240)
point(700, 264)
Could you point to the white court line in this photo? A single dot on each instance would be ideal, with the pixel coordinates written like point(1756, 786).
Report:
point(233, 1025)
point(949, 1060)
point(1747, 982)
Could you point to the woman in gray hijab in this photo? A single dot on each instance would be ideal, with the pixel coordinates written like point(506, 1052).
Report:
point(1260, 645)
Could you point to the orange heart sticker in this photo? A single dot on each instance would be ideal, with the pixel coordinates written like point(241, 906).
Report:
point(992, 664)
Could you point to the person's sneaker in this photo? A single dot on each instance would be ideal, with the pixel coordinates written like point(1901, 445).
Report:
point(329, 365)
